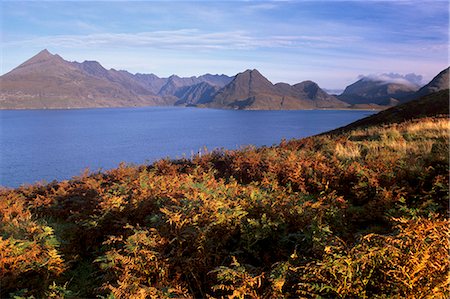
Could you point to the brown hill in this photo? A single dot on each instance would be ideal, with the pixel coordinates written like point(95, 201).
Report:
point(251, 90)
point(48, 81)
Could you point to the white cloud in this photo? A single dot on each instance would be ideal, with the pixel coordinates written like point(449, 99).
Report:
point(187, 39)
point(410, 79)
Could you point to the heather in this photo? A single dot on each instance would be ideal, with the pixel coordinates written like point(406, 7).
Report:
point(353, 214)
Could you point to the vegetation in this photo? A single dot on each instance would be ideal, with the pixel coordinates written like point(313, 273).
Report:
point(360, 214)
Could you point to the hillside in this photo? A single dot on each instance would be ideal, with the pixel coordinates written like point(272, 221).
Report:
point(427, 106)
point(359, 214)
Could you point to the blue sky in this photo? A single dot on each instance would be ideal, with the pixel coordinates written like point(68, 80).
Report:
point(329, 42)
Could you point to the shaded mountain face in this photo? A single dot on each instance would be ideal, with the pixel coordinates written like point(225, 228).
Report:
point(174, 83)
point(368, 91)
point(251, 90)
point(177, 85)
point(216, 80)
point(198, 94)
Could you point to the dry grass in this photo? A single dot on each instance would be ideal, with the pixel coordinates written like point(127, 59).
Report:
point(348, 150)
point(414, 137)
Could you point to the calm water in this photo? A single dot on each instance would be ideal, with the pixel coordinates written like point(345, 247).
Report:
point(39, 145)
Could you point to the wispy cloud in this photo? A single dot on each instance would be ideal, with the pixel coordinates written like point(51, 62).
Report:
point(410, 79)
point(187, 39)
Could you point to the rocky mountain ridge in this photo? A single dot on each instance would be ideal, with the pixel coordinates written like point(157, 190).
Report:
point(47, 81)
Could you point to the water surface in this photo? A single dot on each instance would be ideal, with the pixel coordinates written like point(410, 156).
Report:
point(44, 145)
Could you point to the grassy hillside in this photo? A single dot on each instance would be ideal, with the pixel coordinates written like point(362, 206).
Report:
point(430, 105)
point(360, 214)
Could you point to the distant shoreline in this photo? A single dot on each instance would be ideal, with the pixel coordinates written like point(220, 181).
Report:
point(181, 107)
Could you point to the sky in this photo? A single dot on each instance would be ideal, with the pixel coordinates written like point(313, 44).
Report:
point(330, 42)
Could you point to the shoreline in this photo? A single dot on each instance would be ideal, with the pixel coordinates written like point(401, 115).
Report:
point(181, 107)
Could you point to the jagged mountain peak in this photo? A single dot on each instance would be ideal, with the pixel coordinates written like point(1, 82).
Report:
point(43, 56)
point(253, 77)
point(251, 72)
point(44, 53)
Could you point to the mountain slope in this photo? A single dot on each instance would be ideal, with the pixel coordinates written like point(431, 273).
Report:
point(151, 81)
point(215, 80)
point(176, 86)
point(438, 83)
point(195, 94)
point(123, 78)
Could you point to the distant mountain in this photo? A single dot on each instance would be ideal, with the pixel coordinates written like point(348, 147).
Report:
point(373, 91)
point(151, 81)
point(196, 94)
point(174, 83)
point(48, 81)
point(251, 90)
point(215, 80)
point(177, 85)
point(123, 78)
point(440, 82)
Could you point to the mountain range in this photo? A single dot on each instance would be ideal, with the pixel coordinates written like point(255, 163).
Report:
point(48, 81)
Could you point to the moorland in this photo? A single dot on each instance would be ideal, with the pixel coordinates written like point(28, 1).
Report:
point(359, 212)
